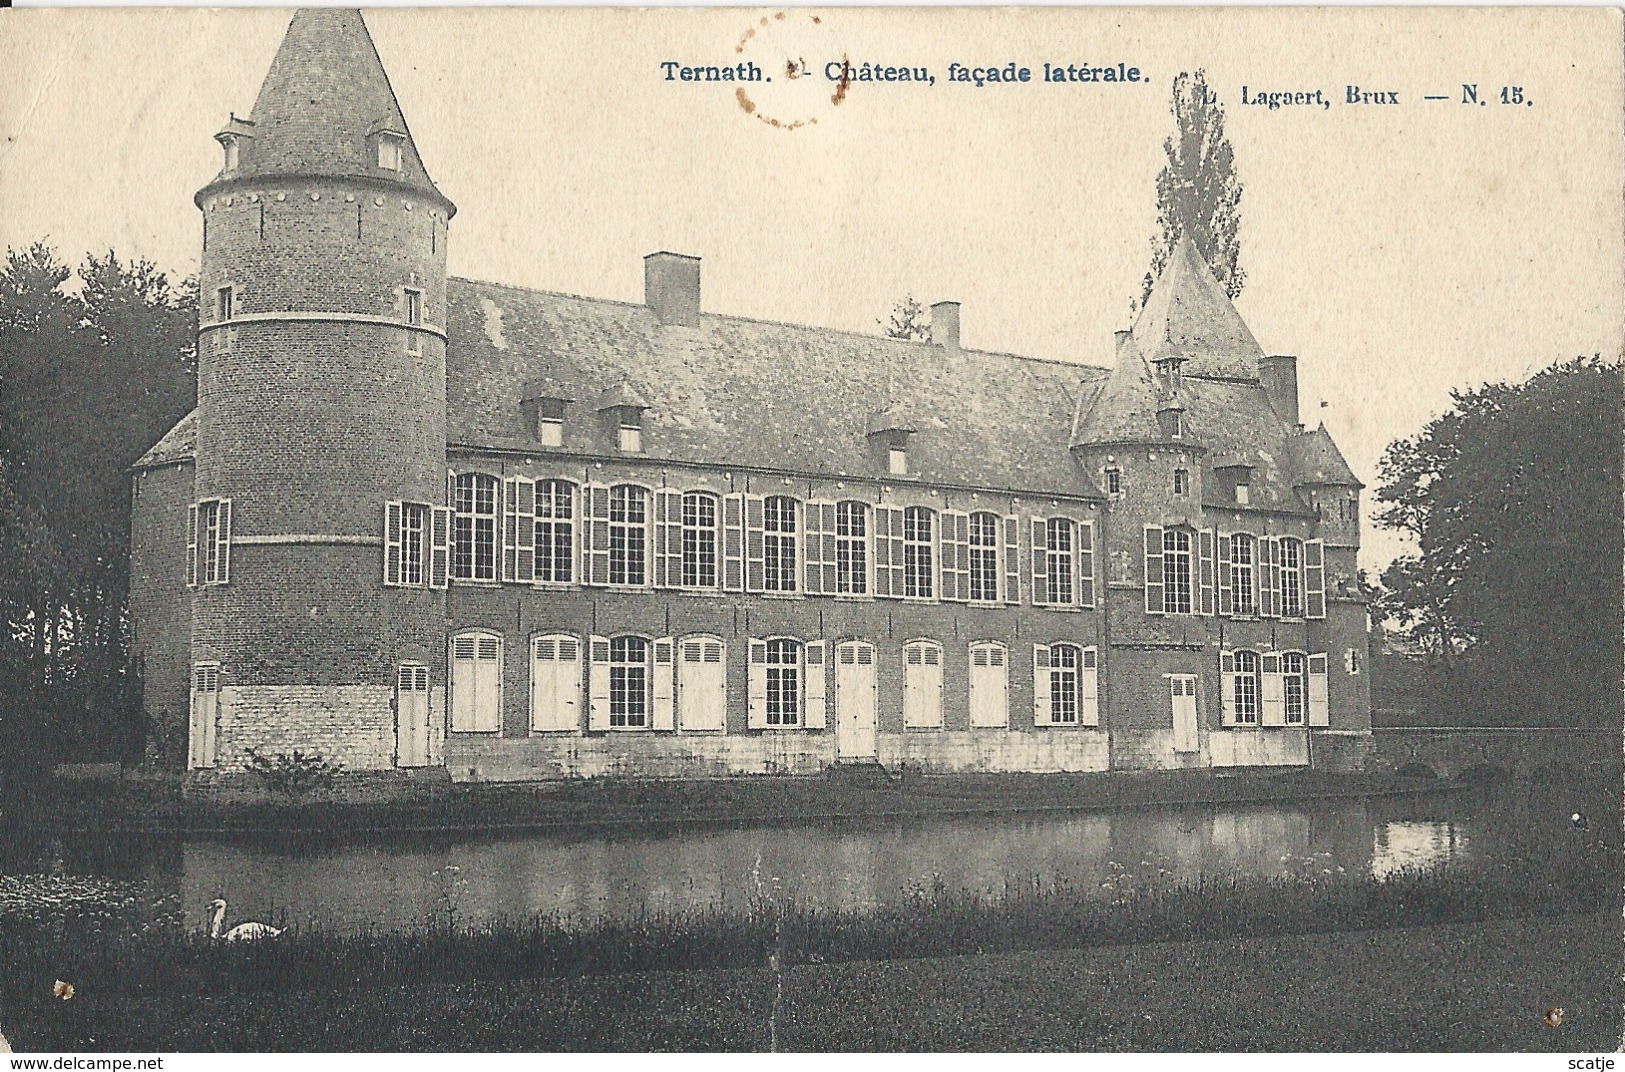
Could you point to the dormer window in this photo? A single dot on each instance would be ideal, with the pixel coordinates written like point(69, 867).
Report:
point(888, 430)
point(1244, 494)
point(1114, 481)
point(389, 151)
point(1168, 373)
point(228, 143)
point(629, 434)
point(1172, 423)
point(550, 422)
point(897, 461)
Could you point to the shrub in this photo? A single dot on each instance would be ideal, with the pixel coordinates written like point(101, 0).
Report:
point(293, 773)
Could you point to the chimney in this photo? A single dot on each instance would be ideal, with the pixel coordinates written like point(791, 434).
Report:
point(1278, 374)
point(1120, 337)
point(671, 287)
point(945, 324)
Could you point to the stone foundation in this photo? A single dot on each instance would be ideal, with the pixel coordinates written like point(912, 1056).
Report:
point(351, 725)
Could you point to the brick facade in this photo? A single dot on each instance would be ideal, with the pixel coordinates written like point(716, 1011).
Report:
point(321, 400)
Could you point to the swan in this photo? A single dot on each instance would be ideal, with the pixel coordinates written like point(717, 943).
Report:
point(243, 932)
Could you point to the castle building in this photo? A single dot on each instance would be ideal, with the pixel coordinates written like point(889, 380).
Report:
point(421, 522)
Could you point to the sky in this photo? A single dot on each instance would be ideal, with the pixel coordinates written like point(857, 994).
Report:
point(1399, 251)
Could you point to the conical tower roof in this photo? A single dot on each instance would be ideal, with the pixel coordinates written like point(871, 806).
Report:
point(1318, 461)
point(323, 104)
point(1188, 314)
point(1125, 409)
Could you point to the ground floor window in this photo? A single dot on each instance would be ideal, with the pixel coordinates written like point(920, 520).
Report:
point(783, 683)
point(476, 683)
point(1293, 689)
point(628, 682)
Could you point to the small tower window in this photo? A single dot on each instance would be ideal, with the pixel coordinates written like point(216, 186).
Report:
point(389, 151)
point(1182, 482)
point(630, 438)
point(550, 422)
point(223, 301)
point(897, 461)
point(414, 318)
point(229, 144)
point(1114, 481)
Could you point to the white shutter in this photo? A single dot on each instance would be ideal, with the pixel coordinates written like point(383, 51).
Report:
point(1226, 596)
point(922, 685)
point(1039, 547)
point(817, 685)
point(812, 547)
point(439, 546)
point(518, 529)
point(755, 545)
point(1204, 572)
point(223, 543)
point(1314, 579)
point(953, 553)
point(702, 684)
point(191, 545)
point(595, 553)
point(1089, 702)
point(1153, 569)
point(665, 667)
point(392, 543)
point(1227, 688)
point(1084, 569)
point(1012, 559)
point(204, 715)
point(598, 683)
point(464, 650)
point(888, 551)
point(488, 685)
point(1041, 700)
point(668, 538)
point(556, 683)
point(1271, 690)
point(733, 542)
point(756, 691)
point(989, 686)
point(1267, 568)
point(1319, 701)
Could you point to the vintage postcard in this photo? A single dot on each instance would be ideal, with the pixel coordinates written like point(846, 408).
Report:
point(810, 529)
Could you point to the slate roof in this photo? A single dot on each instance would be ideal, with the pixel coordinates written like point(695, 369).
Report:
point(1189, 314)
point(742, 392)
point(1318, 461)
point(324, 96)
point(179, 444)
point(1125, 408)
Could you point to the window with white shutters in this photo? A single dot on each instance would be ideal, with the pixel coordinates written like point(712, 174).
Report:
point(628, 535)
point(1059, 537)
point(701, 684)
point(406, 543)
point(983, 540)
point(1294, 691)
point(1176, 571)
point(208, 542)
point(919, 524)
point(629, 682)
point(1319, 698)
point(851, 548)
point(1243, 593)
point(922, 684)
point(782, 679)
point(476, 682)
point(989, 685)
point(1245, 688)
point(700, 515)
point(518, 530)
point(1065, 678)
point(779, 538)
point(474, 527)
point(1291, 572)
point(555, 531)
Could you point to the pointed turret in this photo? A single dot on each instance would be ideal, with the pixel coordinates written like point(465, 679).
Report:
point(1134, 404)
point(1316, 460)
point(1188, 314)
point(325, 110)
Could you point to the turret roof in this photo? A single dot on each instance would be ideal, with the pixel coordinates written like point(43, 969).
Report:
point(1189, 315)
point(1318, 461)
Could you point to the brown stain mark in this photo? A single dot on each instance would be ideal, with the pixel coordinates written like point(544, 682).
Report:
point(779, 16)
point(817, 21)
point(744, 101)
point(1553, 1018)
point(844, 84)
point(750, 32)
point(62, 990)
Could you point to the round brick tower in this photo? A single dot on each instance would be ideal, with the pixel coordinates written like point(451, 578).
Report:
point(321, 399)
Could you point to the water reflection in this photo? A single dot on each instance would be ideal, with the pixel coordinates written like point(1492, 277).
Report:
point(1415, 844)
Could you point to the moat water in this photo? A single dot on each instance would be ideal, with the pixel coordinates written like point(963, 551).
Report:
point(410, 883)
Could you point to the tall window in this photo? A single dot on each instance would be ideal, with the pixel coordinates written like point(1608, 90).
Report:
point(414, 542)
point(917, 571)
point(1182, 481)
point(224, 300)
point(1176, 571)
point(208, 542)
point(984, 558)
point(555, 531)
point(474, 527)
point(779, 543)
point(1246, 688)
point(628, 682)
point(628, 519)
point(783, 683)
point(1242, 550)
point(1291, 552)
point(1065, 662)
point(1292, 687)
point(699, 540)
point(1058, 536)
point(851, 548)
point(414, 317)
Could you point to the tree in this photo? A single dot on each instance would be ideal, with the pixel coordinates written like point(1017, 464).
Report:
point(1197, 189)
point(909, 320)
point(1514, 500)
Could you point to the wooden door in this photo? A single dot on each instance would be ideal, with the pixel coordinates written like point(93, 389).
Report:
point(412, 716)
point(1183, 689)
point(702, 690)
point(555, 684)
point(855, 713)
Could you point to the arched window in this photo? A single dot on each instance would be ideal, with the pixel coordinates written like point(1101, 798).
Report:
point(852, 548)
point(783, 682)
point(628, 682)
point(1291, 577)
point(1059, 536)
point(1065, 662)
point(1176, 571)
point(918, 532)
point(1245, 686)
point(628, 534)
point(699, 566)
point(779, 543)
point(555, 531)
point(984, 557)
point(1294, 694)
point(476, 682)
point(474, 527)
point(1243, 551)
